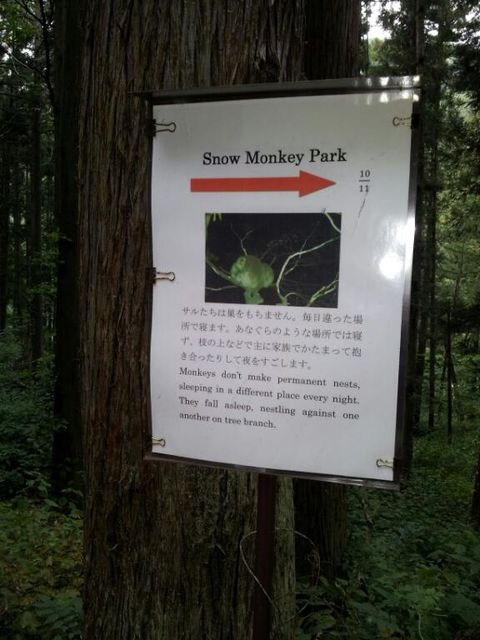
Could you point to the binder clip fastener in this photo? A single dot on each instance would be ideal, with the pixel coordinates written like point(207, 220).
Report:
point(411, 122)
point(163, 275)
point(162, 127)
point(386, 464)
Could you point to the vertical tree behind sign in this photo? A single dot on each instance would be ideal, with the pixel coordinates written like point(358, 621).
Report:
point(161, 542)
point(66, 456)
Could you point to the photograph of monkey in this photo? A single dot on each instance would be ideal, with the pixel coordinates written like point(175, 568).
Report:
point(287, 259)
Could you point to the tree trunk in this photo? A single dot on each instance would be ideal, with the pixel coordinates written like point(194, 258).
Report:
point(434, 125)
point(5, 162)
point(416, 27)
point(35, 266)
point(67, 445)
point(332, 47)
point(450, 379)
point(332, 51)
point(321, 515)
point(421, 339)
point(161, 540)
point(475, 509)
point(18, 233)
point(431, 250)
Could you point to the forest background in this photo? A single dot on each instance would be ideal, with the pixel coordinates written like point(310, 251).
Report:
point(394, 565)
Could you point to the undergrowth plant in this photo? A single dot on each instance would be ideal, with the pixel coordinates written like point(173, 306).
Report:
point(26, 421)
point(413, 565)
point(40, 537)
point(40, 571)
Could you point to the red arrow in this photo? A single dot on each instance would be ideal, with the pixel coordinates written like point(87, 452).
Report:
point(304, 183)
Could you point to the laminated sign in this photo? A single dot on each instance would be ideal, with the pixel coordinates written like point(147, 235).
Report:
point(282, 227)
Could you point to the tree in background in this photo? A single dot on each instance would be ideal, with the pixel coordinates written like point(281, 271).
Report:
point(38, 214)
point(27, 244)
point(445, 321)
point(67, 444)
point(27, 232)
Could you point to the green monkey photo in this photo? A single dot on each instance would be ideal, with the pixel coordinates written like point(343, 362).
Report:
point(250, 273)
point(287, 259)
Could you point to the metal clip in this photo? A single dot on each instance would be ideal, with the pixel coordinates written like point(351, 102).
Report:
point(404, 122)
point(160, 441)
point(163, 275)
point(388, 464)
point(163, 127)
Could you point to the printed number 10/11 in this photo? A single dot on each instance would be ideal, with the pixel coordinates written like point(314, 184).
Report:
point(364, 180)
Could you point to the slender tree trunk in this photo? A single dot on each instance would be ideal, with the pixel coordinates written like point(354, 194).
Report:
point(475, 508)
point(431, 367)
point(161, 540)
point(416, 12)
point(421, 340)
point(67, 446)
point(435, 131)
point(450, 375)
point(5, 203)
point(18, 261)
point(434, 123)
point(432, 259)
point(36, 319)
point(332, 51)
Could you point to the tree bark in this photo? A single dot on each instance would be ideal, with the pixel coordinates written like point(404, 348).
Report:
point(321, 515)
point(332, 47)
point(161, 540)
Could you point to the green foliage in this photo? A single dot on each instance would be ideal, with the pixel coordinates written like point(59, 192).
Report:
point(26, 422)
point(459, 228)
point(40, 572)
point(414, 562)
point(54, 618)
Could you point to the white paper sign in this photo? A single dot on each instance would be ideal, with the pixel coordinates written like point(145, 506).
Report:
point(285, 222)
